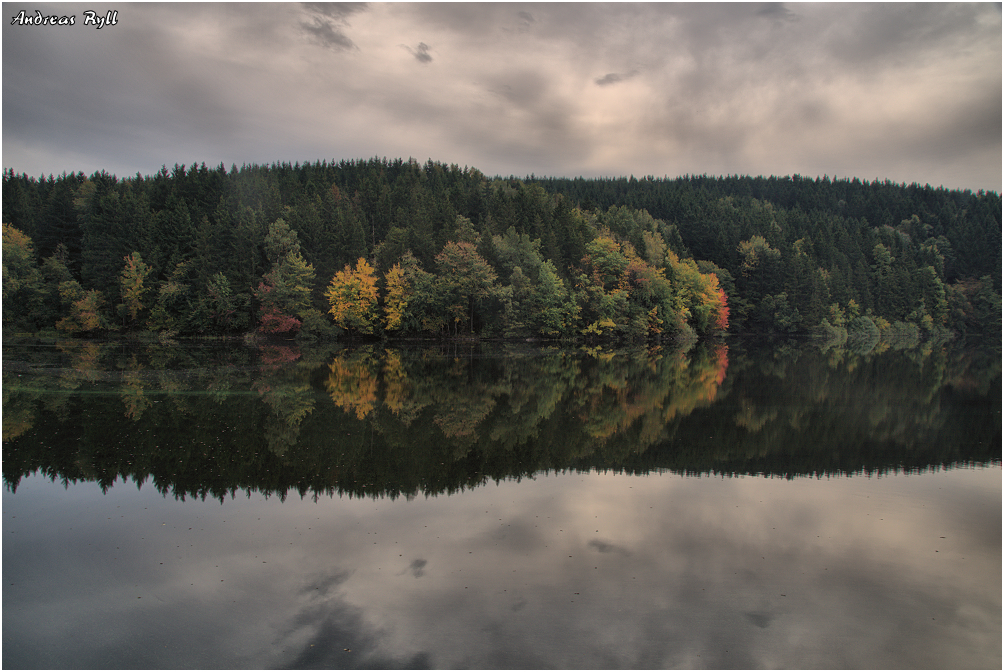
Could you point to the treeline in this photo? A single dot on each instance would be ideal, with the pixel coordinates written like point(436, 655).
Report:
point(382, 247)
point(803, 250)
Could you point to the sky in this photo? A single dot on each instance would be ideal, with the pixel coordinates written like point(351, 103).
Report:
point(905, 92)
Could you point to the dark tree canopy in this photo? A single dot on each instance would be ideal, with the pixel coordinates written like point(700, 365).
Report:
point(563, 256)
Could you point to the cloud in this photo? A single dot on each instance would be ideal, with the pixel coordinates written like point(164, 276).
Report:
point(613, 78)
point(421, 53)
point(326, 20)
point(776, 11)
point(738, 88)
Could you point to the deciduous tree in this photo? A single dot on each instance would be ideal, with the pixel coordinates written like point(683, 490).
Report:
point(352, 294)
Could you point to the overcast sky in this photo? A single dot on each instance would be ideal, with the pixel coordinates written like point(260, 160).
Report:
point(907, 92)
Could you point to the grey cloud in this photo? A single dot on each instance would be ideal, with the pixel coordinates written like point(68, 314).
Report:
point(326, 23)
point(524, 89)
point(476, 21)
point(882, 36)
point(124, 109)
point(421, 53)
point(341, 638)
point(777, 11)
point(532, 122)
point(326, 34)
point(335, 10)
point(727, 88)
point(613, 78)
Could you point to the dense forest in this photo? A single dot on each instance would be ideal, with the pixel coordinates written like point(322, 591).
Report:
point(375, 248)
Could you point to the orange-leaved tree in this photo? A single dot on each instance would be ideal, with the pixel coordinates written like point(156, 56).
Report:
point(353, 298)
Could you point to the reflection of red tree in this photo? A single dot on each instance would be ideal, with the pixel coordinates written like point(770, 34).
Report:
point(721, 354)
point(720, 319)
point(272, 355)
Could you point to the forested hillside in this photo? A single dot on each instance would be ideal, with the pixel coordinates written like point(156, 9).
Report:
point(398, 248)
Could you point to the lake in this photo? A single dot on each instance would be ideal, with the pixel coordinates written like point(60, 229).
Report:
point(721, 505)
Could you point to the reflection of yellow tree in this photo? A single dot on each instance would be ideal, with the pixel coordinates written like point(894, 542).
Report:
point(132, 391)
point(85, 365)
point(399, 394)
point(352, 384)
point(395, 380)
point(752, 417)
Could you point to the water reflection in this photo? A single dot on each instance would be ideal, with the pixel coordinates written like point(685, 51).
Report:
point(567, 571)
point(402, 421)
point(601, 511)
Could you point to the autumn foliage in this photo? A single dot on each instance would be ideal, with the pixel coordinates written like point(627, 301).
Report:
point(353, 298)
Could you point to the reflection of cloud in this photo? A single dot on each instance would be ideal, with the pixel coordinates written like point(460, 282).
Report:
point(418, 567)
point(321, 585)
point(604, 547)
point(342, 639)
point(760, 620)
point(742, 568)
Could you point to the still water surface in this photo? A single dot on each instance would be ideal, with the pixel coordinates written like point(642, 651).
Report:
point(712, 507)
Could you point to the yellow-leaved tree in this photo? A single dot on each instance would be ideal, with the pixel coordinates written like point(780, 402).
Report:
point(131, 283)
point(353, 298)
point(398, 293)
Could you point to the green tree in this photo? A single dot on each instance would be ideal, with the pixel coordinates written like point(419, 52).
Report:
point(173, 304)
point(466, 280)
point(284, 295)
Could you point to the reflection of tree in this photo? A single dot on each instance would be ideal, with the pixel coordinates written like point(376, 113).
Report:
point(18, 407)
point(286, 391)
point(84, 367)
point(534, 390)
point(638, 393)
point(132, 391)
point(290, 404)
point(434, 420)
point(399, 396)
point(352, 382)
point(462, 403)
